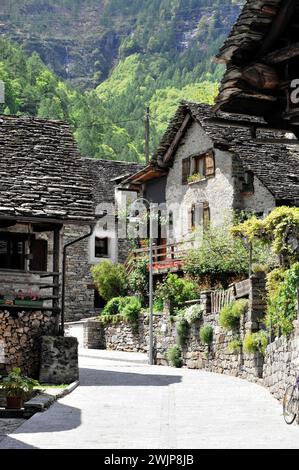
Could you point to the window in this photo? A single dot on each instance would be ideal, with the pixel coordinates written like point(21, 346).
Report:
point(39, 252)
point(101, 247)
point(12, 251)
point(186, 163)
point(248, 182)
point(206, 216)
point(193, 216)
point(170, 223)
point(204, 164)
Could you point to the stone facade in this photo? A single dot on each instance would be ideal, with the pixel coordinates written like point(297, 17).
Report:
point(281, 363)
point(80, 294)
point(79, 298)
point(222, 192)
point(59, 360)
point(20, 341)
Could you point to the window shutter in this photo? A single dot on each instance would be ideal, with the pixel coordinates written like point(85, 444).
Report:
point(210, 164)
point(185, 170)
point(39, 252)
point(206, 215)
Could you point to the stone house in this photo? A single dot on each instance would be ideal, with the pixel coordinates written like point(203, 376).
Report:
point(205, 172)
point(44, 189)
point(82, 299)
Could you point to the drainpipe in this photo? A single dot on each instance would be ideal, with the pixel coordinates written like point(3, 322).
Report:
point(66, 246)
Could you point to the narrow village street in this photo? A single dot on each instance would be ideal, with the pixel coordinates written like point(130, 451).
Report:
point(122, 403)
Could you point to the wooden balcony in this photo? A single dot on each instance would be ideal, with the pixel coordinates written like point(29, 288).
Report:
point(166, 258)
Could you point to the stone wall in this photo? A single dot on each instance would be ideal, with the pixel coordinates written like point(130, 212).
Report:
point(274, 370)
point(20, 336)
point(223, 192)
point(59, 360)
point(281, 363)
point(79, 300)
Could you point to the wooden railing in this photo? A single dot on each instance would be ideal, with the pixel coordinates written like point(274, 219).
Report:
point(164, 256)
point(220, 298)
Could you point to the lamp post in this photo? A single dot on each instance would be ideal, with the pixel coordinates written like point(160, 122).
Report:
point(151, 283)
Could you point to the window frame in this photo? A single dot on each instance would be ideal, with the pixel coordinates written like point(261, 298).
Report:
point(196, 158)
point(106, 239)
point(12, 239)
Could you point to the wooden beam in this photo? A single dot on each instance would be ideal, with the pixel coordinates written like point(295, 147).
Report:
point(246, 124)
point(56, 266)
point(276, 141)
point(279, 25)
point(177, 139)
point(7, 223)
point(261, 76)
point(282, 55)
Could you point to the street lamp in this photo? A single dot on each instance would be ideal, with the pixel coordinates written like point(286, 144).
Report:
point(151, 282)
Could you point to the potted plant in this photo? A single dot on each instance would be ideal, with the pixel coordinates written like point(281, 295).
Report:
point(17, 387)
point(28, 299)
point(195, 178)
point(2, 298)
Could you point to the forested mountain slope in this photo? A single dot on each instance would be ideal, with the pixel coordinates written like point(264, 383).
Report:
point(103, 61)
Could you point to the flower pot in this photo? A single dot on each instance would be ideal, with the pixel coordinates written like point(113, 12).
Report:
point(29, 303)
point(14, 403)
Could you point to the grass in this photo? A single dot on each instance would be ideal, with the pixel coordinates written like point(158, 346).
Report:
point(42, 386)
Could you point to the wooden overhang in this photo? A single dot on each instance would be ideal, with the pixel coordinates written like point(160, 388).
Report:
point(147, 174)
point(262, 59)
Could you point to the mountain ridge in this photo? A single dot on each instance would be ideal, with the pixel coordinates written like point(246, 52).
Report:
point(114, 58)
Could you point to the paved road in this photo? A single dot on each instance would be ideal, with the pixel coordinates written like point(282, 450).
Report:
point(125, 405)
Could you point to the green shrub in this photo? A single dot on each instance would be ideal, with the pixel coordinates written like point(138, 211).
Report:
point(277, 230)
point(139, 277)
point(222, 253)
point(230, 314)
point(235, 345)
point(260, 268)
point(182, 328)
point(158, 305)
point(193, 313)
point(113, 307)
point(110, 279)
point(176, 290)
point(131, 309)
point(255, 342)
point(206, 334)
point(174, 356)
point(282, 299)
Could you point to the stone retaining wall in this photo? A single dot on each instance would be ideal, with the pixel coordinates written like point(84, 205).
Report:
point(274, 370)
point(281, 363)
point(20, 335)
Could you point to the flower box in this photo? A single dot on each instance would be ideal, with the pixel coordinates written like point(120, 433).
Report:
point(29, 303)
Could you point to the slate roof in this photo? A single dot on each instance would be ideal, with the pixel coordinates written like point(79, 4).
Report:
point(250, 29)
point(41, 172)
point(276, 165)
point(201, 113)
point(106, 175)
point(239, 50)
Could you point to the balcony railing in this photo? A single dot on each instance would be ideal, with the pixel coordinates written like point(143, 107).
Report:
point(168, 257)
